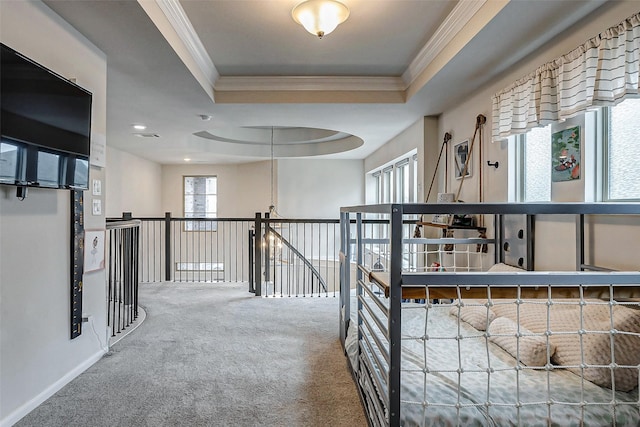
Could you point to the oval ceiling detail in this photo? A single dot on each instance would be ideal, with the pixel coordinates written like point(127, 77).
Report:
point(286, 141)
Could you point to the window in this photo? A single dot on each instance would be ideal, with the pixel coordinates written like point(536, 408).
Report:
point(622, 173)
point(386, 195)
point(612, 154)
point(402, 174)
point(397, 182)
point(533, 171)
point(414, 178)
point(200, 201)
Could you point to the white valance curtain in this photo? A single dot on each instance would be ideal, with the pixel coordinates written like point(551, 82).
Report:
point(600, 72)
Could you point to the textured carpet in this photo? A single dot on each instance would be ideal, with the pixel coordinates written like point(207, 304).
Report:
point(213, 355)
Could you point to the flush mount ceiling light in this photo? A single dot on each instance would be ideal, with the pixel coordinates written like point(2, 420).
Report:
point(320, 17)
point(139, 126)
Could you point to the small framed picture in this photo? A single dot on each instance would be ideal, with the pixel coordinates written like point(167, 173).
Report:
point(460, 157)
point(94, 250)
point(565, 155)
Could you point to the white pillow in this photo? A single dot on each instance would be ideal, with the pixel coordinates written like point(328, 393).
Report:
point(473, 313)
point(533, 348)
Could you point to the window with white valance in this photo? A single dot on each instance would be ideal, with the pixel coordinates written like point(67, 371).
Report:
point(601, 72)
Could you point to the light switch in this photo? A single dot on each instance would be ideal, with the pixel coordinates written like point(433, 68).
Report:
point(97, 207)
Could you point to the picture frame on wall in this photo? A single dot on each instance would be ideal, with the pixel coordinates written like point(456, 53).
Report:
point(565, 155)
point(460, 155)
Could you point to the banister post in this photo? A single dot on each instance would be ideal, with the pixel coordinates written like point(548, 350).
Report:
point(258, 255)
point(167, 246)
point(252, 235)
point(267, 248)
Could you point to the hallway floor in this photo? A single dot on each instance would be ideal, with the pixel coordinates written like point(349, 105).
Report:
point(215, 355)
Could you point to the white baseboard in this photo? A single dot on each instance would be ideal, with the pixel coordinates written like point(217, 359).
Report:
point(29, 406)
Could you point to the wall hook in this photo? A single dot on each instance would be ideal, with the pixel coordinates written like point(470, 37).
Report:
point(495, 165)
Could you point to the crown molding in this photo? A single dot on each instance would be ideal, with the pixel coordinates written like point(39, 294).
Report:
point(450, 27)
point(308, 83)
point(181, 24)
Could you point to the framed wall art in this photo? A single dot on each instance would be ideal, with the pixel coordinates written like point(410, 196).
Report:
point(460, 156)
point(565, 155)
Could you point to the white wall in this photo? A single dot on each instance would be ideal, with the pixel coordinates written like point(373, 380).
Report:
point(133, 185)
point(37, 355)
point(460, 122)
point(316, 188)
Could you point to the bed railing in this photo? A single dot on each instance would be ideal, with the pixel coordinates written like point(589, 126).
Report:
point(383, 296)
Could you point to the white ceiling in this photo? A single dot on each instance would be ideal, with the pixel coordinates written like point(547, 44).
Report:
point(380, 71)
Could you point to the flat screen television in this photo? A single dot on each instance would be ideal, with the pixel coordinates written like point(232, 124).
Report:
point(45, 125)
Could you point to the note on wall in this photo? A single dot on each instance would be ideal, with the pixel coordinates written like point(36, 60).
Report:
point(98, 150)
point(93, 250)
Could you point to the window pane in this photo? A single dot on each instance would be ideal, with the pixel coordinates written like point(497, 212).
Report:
point(188, 203)
point(211, 203)
point(624, 151)
point(211, 185)
point(537, 165)
point(403, 176)
point(415, 182)
point(188, 184)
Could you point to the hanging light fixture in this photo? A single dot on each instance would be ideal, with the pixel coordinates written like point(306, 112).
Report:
point(320, 17)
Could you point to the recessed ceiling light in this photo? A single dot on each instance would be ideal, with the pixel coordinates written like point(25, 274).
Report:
point(139, 127)
point(186, 159)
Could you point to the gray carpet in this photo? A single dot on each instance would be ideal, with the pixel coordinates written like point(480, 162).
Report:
point(213, 355)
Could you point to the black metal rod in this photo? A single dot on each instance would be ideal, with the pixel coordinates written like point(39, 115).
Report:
point(252, 286)
point(258, 254)
point(167, 245)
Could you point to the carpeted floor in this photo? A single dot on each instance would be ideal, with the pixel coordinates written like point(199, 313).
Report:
point(214, 355)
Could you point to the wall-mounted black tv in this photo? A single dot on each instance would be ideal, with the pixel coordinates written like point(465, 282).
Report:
point(45, 125)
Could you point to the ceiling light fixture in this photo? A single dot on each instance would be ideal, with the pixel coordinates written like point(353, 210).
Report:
point(139, 127)
point(320, 17)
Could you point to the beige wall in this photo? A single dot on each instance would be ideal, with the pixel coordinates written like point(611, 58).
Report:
point(460, 122)
point(551, 232)
point(318, 188)
point(420, 136)
point(243, 189)
point(132, 185)
point(302, 188)
point(37, 356)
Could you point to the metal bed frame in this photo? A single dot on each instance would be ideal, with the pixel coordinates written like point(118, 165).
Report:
point(587, 281)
